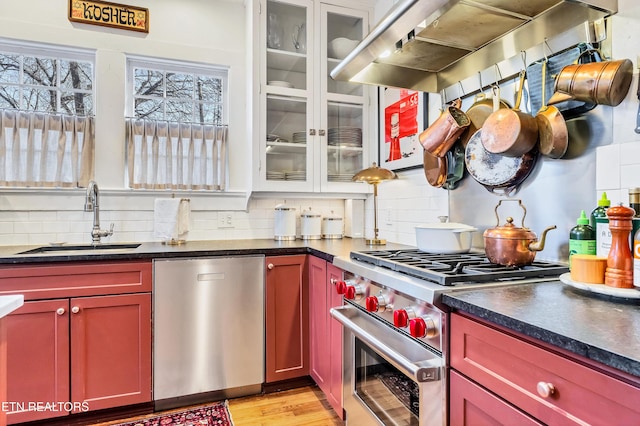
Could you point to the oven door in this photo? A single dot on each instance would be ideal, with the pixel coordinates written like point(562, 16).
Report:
point(388, 378)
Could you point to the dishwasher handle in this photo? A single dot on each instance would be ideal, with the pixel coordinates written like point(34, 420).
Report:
point(427, 370)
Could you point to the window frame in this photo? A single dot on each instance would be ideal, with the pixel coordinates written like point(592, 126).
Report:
point(172, 65)
point(58, 52)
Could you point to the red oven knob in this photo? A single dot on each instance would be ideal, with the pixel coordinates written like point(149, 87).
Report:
point(341, 287)
point(352, 291)
point(401, 317)
point(422, 327)
point(371, 303)
point(376, 304)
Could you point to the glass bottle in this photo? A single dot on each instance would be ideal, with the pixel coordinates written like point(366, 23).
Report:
point(634, 203)
point(582, 237)
point(600, 223)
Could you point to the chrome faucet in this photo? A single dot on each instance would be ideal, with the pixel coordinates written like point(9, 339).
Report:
point(92, 204)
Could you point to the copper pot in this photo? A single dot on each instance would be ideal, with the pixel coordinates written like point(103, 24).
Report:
point(440, 136)
point(510, 132)
point(552, 129)
point(509, 245)
point(604, 83)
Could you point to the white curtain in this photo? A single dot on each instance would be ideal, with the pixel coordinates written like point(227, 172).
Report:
point(169, 155)
point(45, 150)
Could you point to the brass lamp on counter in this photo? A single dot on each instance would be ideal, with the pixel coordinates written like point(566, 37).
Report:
point(373, 176)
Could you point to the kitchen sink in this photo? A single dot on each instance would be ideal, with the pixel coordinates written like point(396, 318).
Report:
point(82, 248)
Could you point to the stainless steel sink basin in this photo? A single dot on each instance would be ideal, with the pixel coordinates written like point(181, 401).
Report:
point(83, 249)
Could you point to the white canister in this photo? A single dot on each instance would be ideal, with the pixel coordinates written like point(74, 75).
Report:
point(284, 223)
point(310, 226)
point(332, 227)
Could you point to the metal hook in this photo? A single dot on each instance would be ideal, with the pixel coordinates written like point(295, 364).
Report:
point(546, 44)
point(523, 55)
point(480, 80)
point(461, 93)
point(498, 74)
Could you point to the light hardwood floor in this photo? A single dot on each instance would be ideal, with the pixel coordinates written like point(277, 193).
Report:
point(305, 406)
point(296, 407)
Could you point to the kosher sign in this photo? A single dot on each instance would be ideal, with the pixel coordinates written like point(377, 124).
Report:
point(109, 15)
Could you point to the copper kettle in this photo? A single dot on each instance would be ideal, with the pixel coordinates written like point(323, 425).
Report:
point(509, 245)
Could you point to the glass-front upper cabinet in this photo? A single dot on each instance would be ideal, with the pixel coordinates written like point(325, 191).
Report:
point(311, 128)
point(286, 88)
point(343, 103)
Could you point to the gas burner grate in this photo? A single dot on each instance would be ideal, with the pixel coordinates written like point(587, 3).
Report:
point(451, 269)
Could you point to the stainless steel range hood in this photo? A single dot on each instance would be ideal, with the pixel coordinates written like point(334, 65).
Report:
point(430, 45)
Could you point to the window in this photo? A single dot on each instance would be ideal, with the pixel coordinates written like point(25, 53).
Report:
point(46, 115)
point(45, 83)
point(176, 125)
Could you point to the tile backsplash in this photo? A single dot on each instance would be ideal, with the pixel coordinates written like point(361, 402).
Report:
point(32, 226)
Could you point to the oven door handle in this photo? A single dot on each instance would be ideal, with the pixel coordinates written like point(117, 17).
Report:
point(423, 370)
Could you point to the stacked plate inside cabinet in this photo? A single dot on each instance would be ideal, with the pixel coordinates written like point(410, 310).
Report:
point(296, 175)
point(275, 175)
point(345, 136)
point(299, 137)
point(275, 138)
point(340, 177)
point(279, 83)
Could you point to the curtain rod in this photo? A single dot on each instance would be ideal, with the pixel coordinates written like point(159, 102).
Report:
point(46, 112)
point(177, 122)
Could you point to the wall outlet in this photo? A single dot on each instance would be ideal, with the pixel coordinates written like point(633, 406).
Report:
point(225, 220)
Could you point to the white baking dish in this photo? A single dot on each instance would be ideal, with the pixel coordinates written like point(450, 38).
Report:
point(444, 238)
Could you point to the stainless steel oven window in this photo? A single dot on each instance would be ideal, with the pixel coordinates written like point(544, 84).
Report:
point(392, 396)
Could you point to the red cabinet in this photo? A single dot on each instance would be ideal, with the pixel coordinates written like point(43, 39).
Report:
point(325, 333)
point(286, 318)
point(38, 358)
point(78, 353)
point(551, 387)
point(472, 405)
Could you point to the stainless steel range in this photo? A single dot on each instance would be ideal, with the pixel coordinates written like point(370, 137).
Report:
point(395, 328)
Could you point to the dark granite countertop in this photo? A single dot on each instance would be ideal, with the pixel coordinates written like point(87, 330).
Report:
point(600, 328)
point(326, 249)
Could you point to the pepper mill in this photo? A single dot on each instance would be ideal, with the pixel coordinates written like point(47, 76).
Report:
point(619, 272)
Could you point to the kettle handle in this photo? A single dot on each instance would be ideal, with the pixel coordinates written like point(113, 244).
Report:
point(511, 199)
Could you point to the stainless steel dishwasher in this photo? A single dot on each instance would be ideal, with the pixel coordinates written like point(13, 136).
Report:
point(208, 329)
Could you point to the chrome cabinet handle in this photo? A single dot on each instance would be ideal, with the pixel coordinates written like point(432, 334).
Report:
point(321, 132)
point(75, 309)
point(545, 389)
point(60, 311)
point(312, 132)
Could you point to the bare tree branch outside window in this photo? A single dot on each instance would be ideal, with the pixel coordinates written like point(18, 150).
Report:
point(177, 96)
point(52, 85)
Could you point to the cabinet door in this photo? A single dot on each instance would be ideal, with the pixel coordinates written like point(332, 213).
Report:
point(286, 136)
point(38, 359)
point(472, 405)
point(344, 106)
point(287, 318)
point(334, 394)
point(111, 350)
point(319, 363)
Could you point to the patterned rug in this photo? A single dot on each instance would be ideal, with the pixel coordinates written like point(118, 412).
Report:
point(211, 415)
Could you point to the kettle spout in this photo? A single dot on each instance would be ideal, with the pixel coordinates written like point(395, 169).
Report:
point(539, 245)
point(558, 97)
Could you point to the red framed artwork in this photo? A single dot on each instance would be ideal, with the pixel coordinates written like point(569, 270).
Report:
point(402, 117)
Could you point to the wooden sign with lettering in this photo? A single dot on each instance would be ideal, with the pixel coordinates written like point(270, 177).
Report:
point(109, 15)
